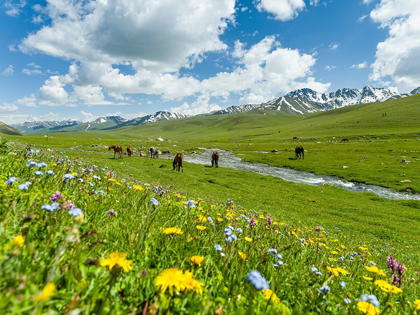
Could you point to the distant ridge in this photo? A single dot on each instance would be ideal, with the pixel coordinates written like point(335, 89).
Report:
point(158, 116)
point(8, 130)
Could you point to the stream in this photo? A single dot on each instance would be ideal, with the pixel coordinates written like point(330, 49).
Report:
point(228, 160)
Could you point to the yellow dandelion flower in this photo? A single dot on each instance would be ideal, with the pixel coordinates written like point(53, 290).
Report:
point(190, 284)
point(269, 294)
point(220, 219)
point(212, 207)
point(367, 308)
point(200, 227)
point(374, 269)
point(218, 213)
point(367, 278)
point(197, 260)
point(117, 259)
point(342, 271)
point(46, 293)
point(417, 304)
point(248, 239)
point(386, 287)
point(334, 271)
point(334, 252)
point(18, 240)
point(171, 279)
point(138, 187)
point(202, 218)
point(172, 230)
point(242, 255)
point(363, 248)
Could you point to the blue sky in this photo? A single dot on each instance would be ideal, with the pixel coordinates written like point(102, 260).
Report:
point(81, 59)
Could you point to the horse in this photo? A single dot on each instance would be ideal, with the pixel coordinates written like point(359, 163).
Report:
point(299, 151)
point(345, 140)
point(129, 151)
point(178, 162)
point(215, 159)
point(117, 149)
point(153, 152)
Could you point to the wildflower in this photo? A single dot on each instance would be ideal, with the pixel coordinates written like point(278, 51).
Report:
point(347, 301)
point(76, 212)
point(242, 255)
point(257, 280)
point(11, 180)
point(270, 295)
point(172, 230)
point(234, 237)
point(280, 263)
point(52, 207)
point(279, 256)
point(314, 269)
point(173, 278)
point(56, 196)
point(341, 258)
point(154, 201)
point(374, 269)
point(68, 176)
point(200, 227)
point(417, 304)
point(397, 270)
point(46, 292)
point(272, 251)
point(49, 173)
point(218, 247)
point(239, 230)
point(197, 260)
point(69, 205)
point(117, 259)
point(386, 287)
point(24, 186)
point(371, 298)
point(227, 232)
point(222, 254)
point(42, 164)
point(191, 284)
point(248, 239)
point(190, 203)
point(99, 192)
point(269, 221)
point(18, 240)
point(343, 284)
point(31, 163)
point(367, 308)
point(210, 220)
point(38, 173)
point(324, 289)
point(252, 223)
point(319, 228)
point(202, 218)
point(111, 212)
point(367, 278)
point(318, 273)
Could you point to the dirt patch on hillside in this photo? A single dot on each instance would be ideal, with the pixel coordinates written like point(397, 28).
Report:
point(259, 135)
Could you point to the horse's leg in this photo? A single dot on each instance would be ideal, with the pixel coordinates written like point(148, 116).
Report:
point(115, 152)
point(303, 155)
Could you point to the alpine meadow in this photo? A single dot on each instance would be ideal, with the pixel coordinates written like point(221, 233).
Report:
point(210, 157)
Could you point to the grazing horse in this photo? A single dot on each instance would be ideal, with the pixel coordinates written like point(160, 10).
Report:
point(215, 159)
point(117, 149)
point(299, 152)
point(178, 162)
point(345, 140)
point(153, 152)
point(129, 151)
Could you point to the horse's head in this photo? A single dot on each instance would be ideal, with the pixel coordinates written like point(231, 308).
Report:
point(111, 147)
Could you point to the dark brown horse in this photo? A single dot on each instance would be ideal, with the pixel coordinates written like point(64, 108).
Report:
point(129, 151)
point(215, 159)
point(345, 140)
point(299, 151)
point(117, 149)
point(178, 162)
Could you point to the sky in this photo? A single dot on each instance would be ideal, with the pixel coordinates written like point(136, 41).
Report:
point(82, 59)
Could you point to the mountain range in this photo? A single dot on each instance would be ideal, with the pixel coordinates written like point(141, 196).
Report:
point(296, 102)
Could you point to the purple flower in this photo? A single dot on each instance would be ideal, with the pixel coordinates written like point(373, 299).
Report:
point(56, 196)
point(397, 269)
point(111, 174)
point(269, 221)
point(111, 212)
point(76, 212)
point(11, 180)
point(257, 280)
point(69, 205)
point(52, 207)
point(252, 223)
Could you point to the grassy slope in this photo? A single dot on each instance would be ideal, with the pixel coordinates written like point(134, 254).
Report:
point(370, 143)
point(8, 130)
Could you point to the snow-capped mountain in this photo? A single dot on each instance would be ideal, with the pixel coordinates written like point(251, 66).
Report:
point(36, 127)
point(307, 100)
point(116, 119)
point(158, 116)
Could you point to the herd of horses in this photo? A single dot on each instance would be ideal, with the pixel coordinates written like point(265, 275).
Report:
point(178, 162)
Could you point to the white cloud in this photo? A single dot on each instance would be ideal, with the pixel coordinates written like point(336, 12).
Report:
point(200, 106)
point(314, 2)
point(26, 101)
point(329, 68)
point(283, 10)
point(32, 71)
point(37, 19)
point(8, 107)
point(333, 46)
point(8, 71)
point(362, 18)
point(53, 91)
point(12, 48)
point(13, 8)
point(87, 116)
point(360, 65)
point(91, 95)
point(398, 57)
point(367, 1)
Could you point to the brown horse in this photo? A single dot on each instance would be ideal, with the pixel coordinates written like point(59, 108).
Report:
point(178, 162)
point(129, 151)
point(117, 149)
point(299, 151)
point(345, 140)
point(215, 159)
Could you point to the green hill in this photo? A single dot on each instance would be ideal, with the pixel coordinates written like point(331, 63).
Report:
point(8, 130)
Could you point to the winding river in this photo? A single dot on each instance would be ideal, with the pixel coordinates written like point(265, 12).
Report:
point(228, 160)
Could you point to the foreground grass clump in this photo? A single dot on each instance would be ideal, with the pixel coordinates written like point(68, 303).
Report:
point(77, 238)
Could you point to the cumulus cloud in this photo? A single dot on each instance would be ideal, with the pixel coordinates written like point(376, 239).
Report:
point(360, 65)
point(8, 107)
point(32, 71)
point(201, 105)
point(26, 101)
point(283, 10)
point(53, 91)
point(8, 71)
point(398, 57)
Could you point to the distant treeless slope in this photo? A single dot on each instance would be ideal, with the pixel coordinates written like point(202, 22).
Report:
point(7, 130)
